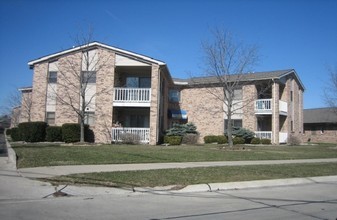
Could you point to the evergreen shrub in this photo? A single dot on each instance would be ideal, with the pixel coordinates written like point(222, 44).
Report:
point(15, 134)
point(265, 141)
point(33, 131)
point(238, 140)
point(256, 141)
point(54, 133)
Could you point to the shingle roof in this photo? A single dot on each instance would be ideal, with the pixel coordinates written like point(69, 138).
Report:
point(320, 115)
point(278, 74)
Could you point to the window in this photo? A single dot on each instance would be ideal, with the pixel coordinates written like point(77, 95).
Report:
point(237, 94)
point(138, 82)
point(137, 121)
point(52, 77)
point(50, 118)
point(291, 96)
point(89, 118)
point(174, 95)
point(88, 77)
point(235, 123)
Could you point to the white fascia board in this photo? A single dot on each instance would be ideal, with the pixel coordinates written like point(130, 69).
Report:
point(180, 83)
point(25, 89)
point(31, 63)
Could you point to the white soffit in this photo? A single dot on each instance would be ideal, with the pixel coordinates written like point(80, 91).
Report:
point(126, 61)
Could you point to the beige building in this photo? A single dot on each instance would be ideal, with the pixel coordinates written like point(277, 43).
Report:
point(129, 93)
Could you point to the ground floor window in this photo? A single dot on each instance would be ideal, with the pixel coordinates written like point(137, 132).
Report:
point(235, 123)
point(89, 118)
point(50, 118)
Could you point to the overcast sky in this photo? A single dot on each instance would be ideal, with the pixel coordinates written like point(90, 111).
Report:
point(291, 34)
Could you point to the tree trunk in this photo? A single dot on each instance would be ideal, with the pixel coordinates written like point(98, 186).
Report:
point(229, 125)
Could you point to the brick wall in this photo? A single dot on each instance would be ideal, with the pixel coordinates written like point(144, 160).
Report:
point(38, 109)
point(249, 94)
point(204, 110)
point(104, 96)
point(68, 84)
point(154, 113)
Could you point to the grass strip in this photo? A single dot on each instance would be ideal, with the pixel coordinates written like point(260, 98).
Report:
point(36, 155)
point(188, 176)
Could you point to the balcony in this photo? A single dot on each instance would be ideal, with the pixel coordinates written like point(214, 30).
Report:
point(132, 97)
point(264, 107)
point(128, 134)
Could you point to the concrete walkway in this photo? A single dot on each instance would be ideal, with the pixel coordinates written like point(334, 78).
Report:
point(42, 172)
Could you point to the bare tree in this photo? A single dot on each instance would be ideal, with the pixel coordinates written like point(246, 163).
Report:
point(76, 80)
point(330, 91)
point(226, 62)
point(18, 105)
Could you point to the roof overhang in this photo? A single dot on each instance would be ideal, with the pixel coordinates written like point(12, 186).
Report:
point(136, 56)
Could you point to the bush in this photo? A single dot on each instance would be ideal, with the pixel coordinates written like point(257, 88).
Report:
point(33, 131)
point(221, 139)
point(238, 140)
point(265, 141)
point(8, 132)
point(71, 132)
point(128, 138)
point(173, 140)
point(190, 139)
point(293, 140)
point(246, 134)
point(182, 129)
point(256, 141)
point(15, 134)
point(54, 133)
point(210, 139)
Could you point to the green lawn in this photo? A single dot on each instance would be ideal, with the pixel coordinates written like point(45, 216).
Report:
point(188, 176)
point(35, 155)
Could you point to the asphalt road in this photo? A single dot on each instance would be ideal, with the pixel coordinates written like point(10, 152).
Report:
point(310, 201)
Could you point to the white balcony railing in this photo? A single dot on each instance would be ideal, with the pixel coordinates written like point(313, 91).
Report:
point(132, 96)
point(264, 134)
point(121, 134)
point(283, 137)
point(264, 106)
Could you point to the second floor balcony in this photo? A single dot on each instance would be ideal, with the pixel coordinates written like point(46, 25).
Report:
point(136, 97)
point(264, 107)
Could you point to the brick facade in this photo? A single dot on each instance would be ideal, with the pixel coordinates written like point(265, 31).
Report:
point(38, 110)
point(204, 110)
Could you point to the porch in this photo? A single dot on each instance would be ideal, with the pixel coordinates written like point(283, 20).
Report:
point(121, 134)
point(283, 137)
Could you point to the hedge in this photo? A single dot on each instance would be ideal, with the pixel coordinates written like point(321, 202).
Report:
point(15, 134)
point(54, 133)
point(173, 140)
point(71, 132)
point(265, 141)
point(220, 139)
point(256, 141)
point(33, 131)
point(238, 140)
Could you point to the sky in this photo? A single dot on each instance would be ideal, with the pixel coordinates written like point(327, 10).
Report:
point(290, 34)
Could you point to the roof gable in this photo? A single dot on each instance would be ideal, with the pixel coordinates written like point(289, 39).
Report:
point(125, 53)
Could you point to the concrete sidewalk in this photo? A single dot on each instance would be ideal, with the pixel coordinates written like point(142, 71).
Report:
point(42, 172)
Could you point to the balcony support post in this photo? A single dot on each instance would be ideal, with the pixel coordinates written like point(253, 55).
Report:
point(275, 113)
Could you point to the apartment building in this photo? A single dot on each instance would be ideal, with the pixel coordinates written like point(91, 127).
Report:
point(268, 103)
point(129, 93)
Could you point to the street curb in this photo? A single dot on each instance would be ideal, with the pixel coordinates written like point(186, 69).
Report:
point(255, 184)
point(11, 153)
